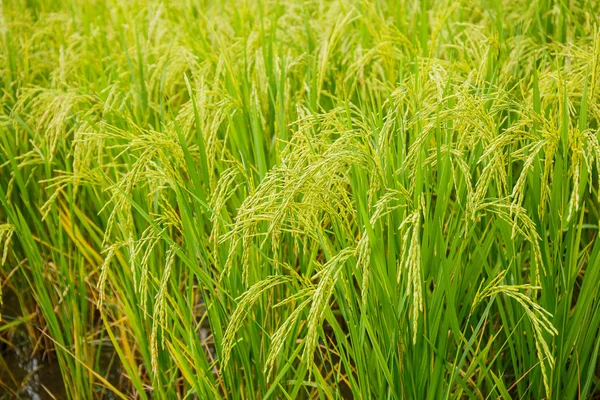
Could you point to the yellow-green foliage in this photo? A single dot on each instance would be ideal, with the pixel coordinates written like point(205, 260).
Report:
point(304, 199)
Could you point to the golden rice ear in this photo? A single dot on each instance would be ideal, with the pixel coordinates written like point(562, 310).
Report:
point(320, 301)
point(159, 322)
point(104, 275)
point(372, 161)
point(278, 340)
point(244, 303)
point(410, 261)
point(6, 233)
point(538, 317)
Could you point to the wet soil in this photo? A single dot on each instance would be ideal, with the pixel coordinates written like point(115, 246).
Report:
point(29, 375)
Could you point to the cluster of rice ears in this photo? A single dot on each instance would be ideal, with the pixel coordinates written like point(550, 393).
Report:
point(284, 199)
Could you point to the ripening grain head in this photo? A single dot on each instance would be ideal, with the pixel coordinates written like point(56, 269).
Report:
point(302, 199)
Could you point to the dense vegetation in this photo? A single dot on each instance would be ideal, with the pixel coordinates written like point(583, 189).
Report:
point(383, 199)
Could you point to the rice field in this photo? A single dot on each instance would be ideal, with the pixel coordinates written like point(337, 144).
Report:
point(288, 199)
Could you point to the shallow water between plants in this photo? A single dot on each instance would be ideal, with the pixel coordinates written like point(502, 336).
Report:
point(29, 375)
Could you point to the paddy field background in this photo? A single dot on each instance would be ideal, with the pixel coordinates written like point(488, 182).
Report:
point(300, 199)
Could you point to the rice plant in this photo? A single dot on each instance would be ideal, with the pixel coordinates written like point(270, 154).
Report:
point(370, 199)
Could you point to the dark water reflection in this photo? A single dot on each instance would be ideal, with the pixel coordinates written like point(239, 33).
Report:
point(28, 376)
